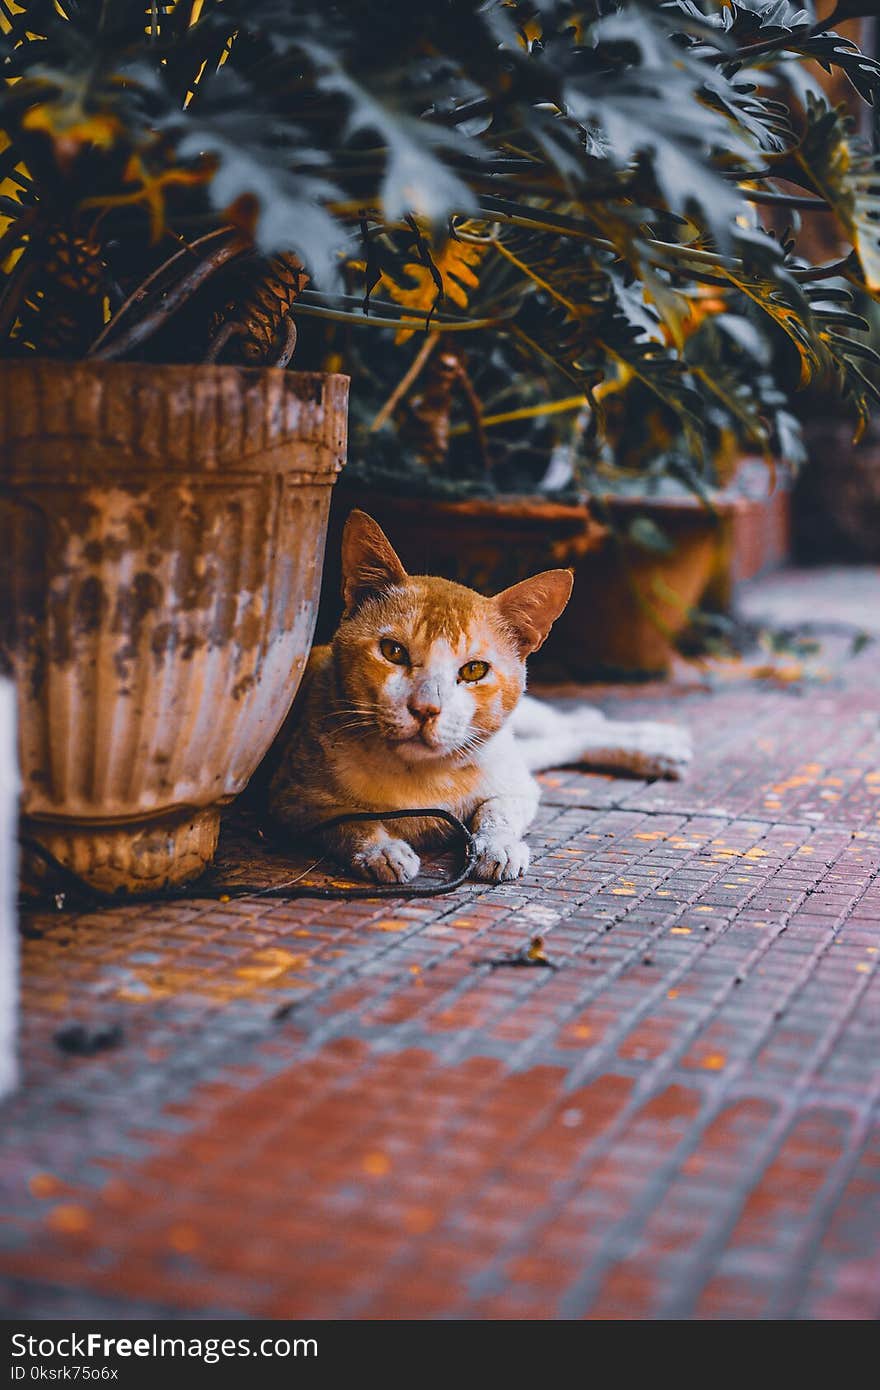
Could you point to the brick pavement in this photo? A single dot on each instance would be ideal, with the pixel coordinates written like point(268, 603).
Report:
point(345, 1110)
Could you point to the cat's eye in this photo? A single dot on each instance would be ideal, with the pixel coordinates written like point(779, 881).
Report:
point(394, 652)
point(474, 670)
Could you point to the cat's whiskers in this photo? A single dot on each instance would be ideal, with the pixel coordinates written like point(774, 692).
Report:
point(352, 722)
point(473, 741)
point(344, 711)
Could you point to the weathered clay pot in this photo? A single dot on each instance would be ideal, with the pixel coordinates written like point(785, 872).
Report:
point(486, 543)
point(161, 539)
point(629, 604)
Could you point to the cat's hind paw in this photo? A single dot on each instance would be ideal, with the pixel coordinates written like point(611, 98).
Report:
point(387, 861)
point(662, 750)
point(499, 861)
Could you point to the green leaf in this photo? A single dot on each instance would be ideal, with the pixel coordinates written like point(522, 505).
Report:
point(844, 172)
point(416, 181)
point(248, 145)
point(654, 109)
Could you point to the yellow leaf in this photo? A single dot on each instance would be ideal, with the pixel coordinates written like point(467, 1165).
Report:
point(69, 126)
point(456, 263)
point(151, 190)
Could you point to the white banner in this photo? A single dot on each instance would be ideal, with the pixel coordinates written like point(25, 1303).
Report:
point(8, 888)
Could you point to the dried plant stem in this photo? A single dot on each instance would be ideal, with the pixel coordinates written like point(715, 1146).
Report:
point(107, 347)
point(405, 382)
point(138, 295)
point(475, 410)
point(221, 338)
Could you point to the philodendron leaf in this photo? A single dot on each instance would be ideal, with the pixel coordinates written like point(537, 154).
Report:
point(663, 373)
point(843, 172)
point(746, 336)
point(582, 314)
point(416, 181)
point(669, 109)
point(249, 148)
point(811, 316)
point(753, 21)
point(744, 25)
point(831, 50)
point(767, 283)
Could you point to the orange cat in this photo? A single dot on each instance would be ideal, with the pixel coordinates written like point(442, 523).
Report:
point(419, 702)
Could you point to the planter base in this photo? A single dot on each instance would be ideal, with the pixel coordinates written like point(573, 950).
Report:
point(133, 858)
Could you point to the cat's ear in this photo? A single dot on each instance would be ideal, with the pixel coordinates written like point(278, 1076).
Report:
point(369, 562)
point(531, 607)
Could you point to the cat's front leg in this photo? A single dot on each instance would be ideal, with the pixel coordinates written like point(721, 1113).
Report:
point(371, 851)
point(498, 826)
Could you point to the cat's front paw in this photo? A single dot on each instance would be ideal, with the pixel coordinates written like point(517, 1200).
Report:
point(387, 861)
point(498, 861)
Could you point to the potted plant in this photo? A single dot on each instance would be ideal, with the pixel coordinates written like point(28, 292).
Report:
point(657, 280)
point(677, 537)
point(510, 207)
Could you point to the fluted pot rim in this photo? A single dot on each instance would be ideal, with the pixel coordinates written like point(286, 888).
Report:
point(219, 370)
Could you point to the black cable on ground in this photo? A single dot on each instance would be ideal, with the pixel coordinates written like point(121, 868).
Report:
point(75, 894)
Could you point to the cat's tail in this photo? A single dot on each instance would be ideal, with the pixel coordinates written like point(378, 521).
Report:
point(549, 738)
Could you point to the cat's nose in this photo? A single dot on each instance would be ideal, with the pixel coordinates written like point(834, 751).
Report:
point(423, 710)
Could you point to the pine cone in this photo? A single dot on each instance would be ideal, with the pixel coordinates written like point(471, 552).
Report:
point(62, 311)
point(256, 326)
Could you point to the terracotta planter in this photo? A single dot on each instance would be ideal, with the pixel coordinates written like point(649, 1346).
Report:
point(162, 539)
point(486, 543)
point(629, 604)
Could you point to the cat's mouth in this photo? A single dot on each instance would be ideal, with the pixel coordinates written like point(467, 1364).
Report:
point(420, 742)
point(420, 736)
